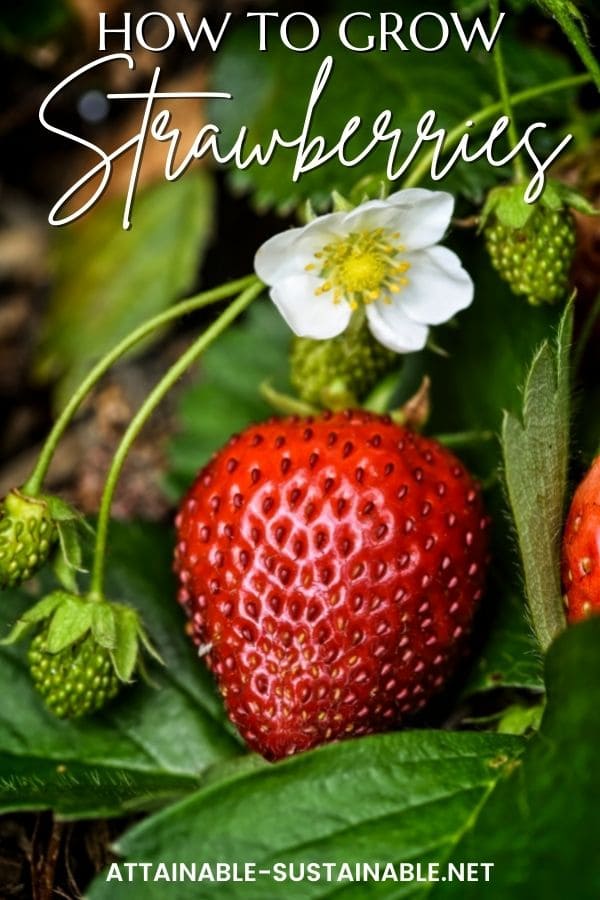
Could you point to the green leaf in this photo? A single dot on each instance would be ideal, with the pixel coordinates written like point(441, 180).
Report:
point(72, 619)
point(272, 90)
point(503, 331)
point(540, 826)
point(227, 396)
point(411, 796)
point(536, 452)
point(400, 796)
point(510, 656)
point(108, 281)
point(149, 744)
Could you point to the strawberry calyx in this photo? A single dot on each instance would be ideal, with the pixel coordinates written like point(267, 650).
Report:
point(507, 205)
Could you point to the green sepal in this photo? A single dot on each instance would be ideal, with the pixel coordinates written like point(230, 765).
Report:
point(371, 187)
point(436, 348)
point(124, 654)
point(507, 204)
point(72, 619)
point(286, 404)
point(104, 626)
point(307, 213)
point(64, 573)
point(70, 545)
point(68, 521)
point(340, 203)
point(42, 610)
point(382, 397)
point(148, 645)
point(59, 509)
point(561, 195)
point(337, 397)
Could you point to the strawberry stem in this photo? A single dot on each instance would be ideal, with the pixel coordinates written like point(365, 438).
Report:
point(484, 115)
point(505, 95)
point(253, 289)
point(34, 484)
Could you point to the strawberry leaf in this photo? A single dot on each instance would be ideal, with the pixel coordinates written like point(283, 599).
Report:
point(395, 796)
point(508, 657)
point(535, 452)
point(527, 807)
point(273, 88)
point(539, 826)
point(108, 280)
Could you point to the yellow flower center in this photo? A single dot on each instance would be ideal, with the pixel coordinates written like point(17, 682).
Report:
point(361, 267)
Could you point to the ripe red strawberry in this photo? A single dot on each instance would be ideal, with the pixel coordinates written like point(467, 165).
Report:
point(581, 549)
point(330, 569)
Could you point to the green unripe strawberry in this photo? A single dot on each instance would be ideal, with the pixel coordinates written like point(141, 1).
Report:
point(84, 649)
point(534, 260)
point(27, 536)
point(350, 364)
point(78, 680)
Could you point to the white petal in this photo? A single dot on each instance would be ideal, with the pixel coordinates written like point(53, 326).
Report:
point(438, 286)
point(422, 217)
point(275, 259)
point(394, 329)
point(371, 210)
point(290, 251)
point(307, 314)
point(413, 196)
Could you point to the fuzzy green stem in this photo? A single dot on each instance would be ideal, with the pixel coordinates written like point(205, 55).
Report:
point(505, 95)
point(143, 414)
point(484, 115)
point(34, 484)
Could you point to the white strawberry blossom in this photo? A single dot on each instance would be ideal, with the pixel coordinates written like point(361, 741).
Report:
point(383, 256)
